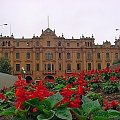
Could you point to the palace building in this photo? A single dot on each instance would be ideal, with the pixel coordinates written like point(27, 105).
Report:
point(48, 55)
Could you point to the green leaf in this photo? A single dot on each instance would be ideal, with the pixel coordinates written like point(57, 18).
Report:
point(86, 99)
point(101, 113)
point(33, 102)
point(8, 111)
point(90, 107)
point(79, 113)
point(21, 113)
point(56, 98)
point(100, 118)
point(64, 114)
point(48, 116)
point(45, 104)
point(18, 118)
point(113, 113)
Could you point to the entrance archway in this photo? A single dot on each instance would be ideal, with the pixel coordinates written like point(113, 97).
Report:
point(49, 77)
point(28, 79)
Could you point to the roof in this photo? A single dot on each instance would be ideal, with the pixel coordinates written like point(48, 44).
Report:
point(48, 31)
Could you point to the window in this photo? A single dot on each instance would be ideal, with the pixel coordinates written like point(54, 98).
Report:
point(68, 56)
point(49, 56)
point(37, 56)
point(28, 67)
point(37, 43)
point(98, 56)
point(68, 44)
point(99, 66)
point(17, 67)
point(77, 44)
point(59, 66)
point(27, 55)
point(17, 55)
point(3, 43)
point(116, 55)
point(107, 56)
point(108, 65)
point(68, 67)
point(78, 55)
point(78, 66)
point(90, 43)
point(37, 67)
point(48, 43)
point(6, 55)
point(89, 66)
point(17, 44)
point(49, 67)
point(8, 43)
point(59, 43)
point(89, 56)
point(60, 56)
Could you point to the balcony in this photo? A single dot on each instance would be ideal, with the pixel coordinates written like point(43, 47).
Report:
point(51, 72)
point(29, 72)
point(68, 71)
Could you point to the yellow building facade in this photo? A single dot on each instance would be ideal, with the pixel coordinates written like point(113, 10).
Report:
point(49, 55)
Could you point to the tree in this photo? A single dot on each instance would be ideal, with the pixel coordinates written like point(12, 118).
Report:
point(5, 66)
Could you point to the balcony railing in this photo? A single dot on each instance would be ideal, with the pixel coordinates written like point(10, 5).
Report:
point(68, 71)
point(29, 72)
point(46, 72)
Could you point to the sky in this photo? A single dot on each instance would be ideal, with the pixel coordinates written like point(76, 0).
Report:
point(70, 17)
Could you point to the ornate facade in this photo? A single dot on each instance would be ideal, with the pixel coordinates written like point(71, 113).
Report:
point(50, 55)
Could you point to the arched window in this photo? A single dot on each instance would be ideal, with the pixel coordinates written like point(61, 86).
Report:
point(37, 43)
point(98, 56)
point(68, 67)
point(59, 43)
point(68, 56)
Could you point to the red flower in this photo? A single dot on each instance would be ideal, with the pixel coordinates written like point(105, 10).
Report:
point(114, 103)
point(80, 90)
point(75, 103)
point(34, 110)
point(106, 104)
point(2, 96)
point(112, 79)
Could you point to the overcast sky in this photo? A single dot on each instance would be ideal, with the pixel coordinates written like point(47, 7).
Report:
point(70, 17)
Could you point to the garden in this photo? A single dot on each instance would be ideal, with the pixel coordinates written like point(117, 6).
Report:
point(91, 95)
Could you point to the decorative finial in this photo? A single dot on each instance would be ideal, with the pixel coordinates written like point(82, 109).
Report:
point(62, 35)
point(82, 36)
point(92, 36)
point(12, 35)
